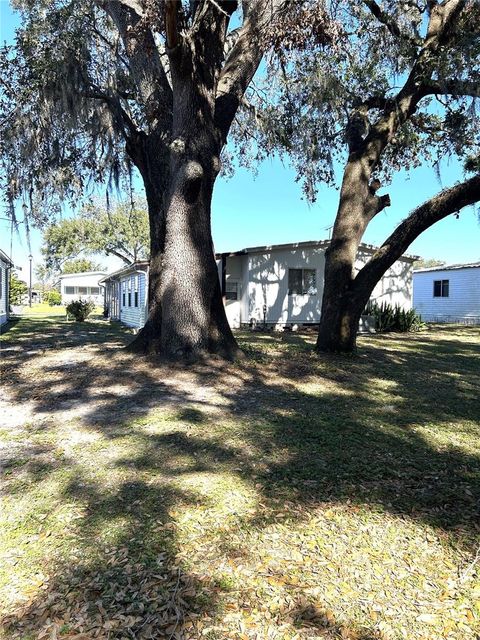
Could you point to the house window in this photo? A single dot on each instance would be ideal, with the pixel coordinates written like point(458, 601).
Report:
point(129, 285)
point(69, 290)
point(302, 281)
point(231, 290)
point(94, 291)
point(441, 288)
point(82, 291)
point(135, 288)
point(124, 286)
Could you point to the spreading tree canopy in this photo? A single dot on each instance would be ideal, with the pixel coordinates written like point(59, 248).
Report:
point(81, 265)
point(17, 289)
point(397, 89)
point(121, 232)
point(92, 89)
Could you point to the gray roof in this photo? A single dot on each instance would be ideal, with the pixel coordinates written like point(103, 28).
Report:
point(82, 273)
point(449, 267)
point(305, 245)
point(140, 265)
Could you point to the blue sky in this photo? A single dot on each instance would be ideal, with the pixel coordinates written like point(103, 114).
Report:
point(269, 209)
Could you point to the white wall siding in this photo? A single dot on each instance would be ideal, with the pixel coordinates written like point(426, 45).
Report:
point(396, 286)
point(462, 303)
point(131, 315)
point(268, 285)
point(262, 279)
point(267, 276)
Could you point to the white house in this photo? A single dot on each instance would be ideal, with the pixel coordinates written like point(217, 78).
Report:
point(5, 265)
point(126, 294)
point(282, 284)
point(448, 293)
point(279, 285)
point(81, 286)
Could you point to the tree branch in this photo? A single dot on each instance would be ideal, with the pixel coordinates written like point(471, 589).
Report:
point(439, 32)
point(384, 18)
point(171, 23)
point(146, 67)
point(440, 206)
point(125, 258)
point(244, 59)
point(458, 88)
point(124, 122)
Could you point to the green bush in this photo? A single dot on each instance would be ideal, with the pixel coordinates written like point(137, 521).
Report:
point(80, 309)
point(54, 298)
point(389, 318)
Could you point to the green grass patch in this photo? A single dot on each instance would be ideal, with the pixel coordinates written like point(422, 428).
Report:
point(44, 309)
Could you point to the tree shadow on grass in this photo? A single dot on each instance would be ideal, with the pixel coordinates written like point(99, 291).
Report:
point(323, 431)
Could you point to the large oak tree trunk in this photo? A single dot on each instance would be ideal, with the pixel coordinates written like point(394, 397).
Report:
point(193, 316)
point(187, 318)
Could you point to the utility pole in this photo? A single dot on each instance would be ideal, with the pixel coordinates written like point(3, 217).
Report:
point(30, 288)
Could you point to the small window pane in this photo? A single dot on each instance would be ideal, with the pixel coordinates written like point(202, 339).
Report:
point(445, 288)
point(294, 281)
point(136, 298)
point(437, 288)
point(94, 291)
point(69, 290)
point(310, 282)
point(129, 298)
point(123, 299)
point(82, 291)
point(231, 290)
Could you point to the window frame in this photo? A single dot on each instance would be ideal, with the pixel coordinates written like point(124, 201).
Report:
point(441, 288)
point(68, 293)
point(232, 294)
point(303, 289)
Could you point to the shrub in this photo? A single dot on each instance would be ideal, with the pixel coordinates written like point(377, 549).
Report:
point(53, 298)
point(80, 309)
point(389, 318)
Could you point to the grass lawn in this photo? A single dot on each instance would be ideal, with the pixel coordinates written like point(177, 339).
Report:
point(44, 309)
point(290, 496)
